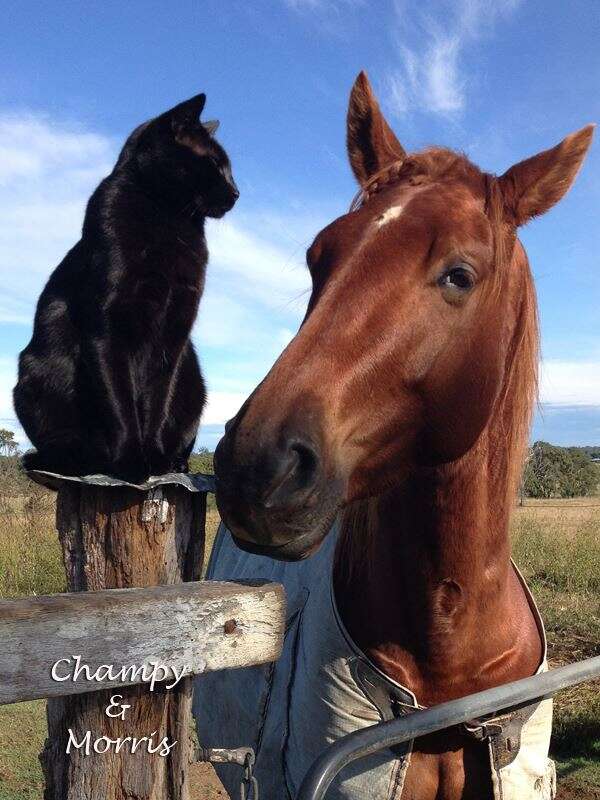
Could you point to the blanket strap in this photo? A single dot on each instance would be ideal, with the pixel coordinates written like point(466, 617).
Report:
point(503, 733)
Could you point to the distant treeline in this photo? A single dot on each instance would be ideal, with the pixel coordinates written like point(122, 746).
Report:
point(591, 451)
point(550, 471)
point(553, 471)
point(202, 461)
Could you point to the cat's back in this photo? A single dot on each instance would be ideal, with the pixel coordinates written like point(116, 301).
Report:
point(59, 303)
point(79, 274)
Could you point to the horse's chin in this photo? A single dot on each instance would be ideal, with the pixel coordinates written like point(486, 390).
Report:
point(280, 539)
point(295, 550)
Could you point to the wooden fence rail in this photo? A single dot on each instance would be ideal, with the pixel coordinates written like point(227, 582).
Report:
point(194, 627)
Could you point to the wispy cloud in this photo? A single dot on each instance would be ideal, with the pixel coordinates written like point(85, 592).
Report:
point(47, 172)
point(570, 383)
point(31, 146)
point(263, 271)
point(431, 39)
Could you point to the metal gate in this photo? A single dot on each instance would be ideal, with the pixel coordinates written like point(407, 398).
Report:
point(378, 737)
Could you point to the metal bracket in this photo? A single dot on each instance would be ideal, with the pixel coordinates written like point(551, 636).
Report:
point(244, 756)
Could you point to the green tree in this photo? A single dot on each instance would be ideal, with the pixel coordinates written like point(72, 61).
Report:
point(202, 461)
point(553, 471)
point(8, 443)
point(582, 479)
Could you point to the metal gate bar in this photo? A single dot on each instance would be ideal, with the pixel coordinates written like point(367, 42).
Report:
point(386, 734)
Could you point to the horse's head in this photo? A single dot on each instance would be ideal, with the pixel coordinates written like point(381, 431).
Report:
point(420, 305)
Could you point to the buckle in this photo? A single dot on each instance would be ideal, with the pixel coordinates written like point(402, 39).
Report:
point(478, 730)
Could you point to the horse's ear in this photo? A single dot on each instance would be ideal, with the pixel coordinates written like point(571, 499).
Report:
point(372, 144)
point(533, 186)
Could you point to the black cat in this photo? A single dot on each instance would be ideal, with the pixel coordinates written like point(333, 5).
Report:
point(110, 382)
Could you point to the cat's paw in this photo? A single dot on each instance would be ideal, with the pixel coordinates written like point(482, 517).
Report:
point(180, 465)
point(130, 470)
point(159, 464)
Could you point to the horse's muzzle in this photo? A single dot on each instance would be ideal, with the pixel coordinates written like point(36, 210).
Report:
point(276, 499)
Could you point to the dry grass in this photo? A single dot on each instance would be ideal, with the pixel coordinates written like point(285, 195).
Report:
point(212, 524)
point(556, 544)
point(22, 734)
point(30, 558)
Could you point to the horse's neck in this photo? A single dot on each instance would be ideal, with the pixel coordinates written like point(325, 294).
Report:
point(435, 601)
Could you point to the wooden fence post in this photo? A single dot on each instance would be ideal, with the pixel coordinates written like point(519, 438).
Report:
point(121, 537)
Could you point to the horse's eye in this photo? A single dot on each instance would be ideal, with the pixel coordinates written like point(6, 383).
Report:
point(456, 282)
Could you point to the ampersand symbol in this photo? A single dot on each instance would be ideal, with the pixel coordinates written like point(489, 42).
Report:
point(115, 704)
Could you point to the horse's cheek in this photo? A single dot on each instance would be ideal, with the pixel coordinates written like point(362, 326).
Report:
point(459, 399)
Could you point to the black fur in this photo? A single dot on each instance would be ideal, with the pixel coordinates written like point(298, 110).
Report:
point(110, 382)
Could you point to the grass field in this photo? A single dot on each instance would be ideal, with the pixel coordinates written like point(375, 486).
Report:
point(556, 544)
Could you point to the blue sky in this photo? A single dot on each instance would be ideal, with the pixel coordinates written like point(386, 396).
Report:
point(500, 80)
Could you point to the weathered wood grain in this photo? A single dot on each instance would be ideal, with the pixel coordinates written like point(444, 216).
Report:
point(204, 626)
point(119, 537)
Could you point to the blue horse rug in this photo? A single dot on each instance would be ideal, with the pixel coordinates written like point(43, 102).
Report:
point(323, 687)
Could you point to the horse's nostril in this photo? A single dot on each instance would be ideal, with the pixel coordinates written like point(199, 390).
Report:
point(307, 461)
point(297, 468)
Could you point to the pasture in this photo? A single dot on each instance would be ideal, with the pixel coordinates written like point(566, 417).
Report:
point(556, 544)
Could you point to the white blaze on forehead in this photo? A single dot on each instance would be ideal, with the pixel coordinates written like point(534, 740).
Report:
point(389, 215)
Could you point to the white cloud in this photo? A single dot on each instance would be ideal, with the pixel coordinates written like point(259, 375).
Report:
point(263, 271)
point(570, 383)
point(47, 172)
point(31, 146)
point(222, 406)
point(431, 39)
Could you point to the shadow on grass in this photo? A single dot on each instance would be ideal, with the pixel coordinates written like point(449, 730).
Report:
point(576, 742)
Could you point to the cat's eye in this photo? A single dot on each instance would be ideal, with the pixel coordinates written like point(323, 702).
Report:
point(456, 282)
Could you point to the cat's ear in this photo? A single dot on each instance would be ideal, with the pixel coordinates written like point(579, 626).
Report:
point(188, 112)
point(211, 126)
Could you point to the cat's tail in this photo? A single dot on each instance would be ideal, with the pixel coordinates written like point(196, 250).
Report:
point(58, 461)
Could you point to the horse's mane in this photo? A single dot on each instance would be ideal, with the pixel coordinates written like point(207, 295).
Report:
point(509, 425)
point(433, 164)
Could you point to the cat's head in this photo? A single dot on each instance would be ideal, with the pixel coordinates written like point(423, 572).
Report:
point(179, 158)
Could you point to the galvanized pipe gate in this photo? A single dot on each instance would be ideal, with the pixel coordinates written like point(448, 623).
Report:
point(378, 737)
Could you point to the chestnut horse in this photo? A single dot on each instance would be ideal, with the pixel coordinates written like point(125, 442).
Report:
point(404, 404)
